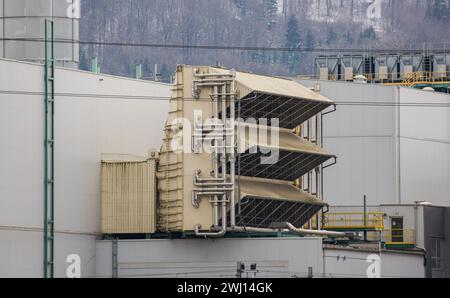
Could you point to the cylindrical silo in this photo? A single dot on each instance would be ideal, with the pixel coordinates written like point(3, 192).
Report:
point(24, 20)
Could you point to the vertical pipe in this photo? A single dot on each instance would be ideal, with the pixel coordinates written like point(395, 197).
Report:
point(139, 71)
point(239, 155)
point(365, 218)
point(232, 157)
point(224, 153)
point(115, 256)
point(94, 65)
point(46, 153)
point(310, 272)
point(216, 155)
point(52, 215)
point(321, 166)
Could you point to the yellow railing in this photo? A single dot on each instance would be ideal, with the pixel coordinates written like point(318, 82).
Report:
point(353, 220)
point(399, 237)
point(393, 237)
point(404, 79)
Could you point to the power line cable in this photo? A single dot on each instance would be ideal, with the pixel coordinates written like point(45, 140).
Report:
point(228, 48)
point(421, 103)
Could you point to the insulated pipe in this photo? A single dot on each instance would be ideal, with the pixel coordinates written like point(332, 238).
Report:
point(212, 184)
point(224, 158)
point(206, 75)
point(292, 229)
point(212, 189)
point(212, 136)
point(220, 234)
point(196, 90)
point(218, 185)
point(198, 179)
point(330, 234)
point(233, 156)
point(196, 195)
point(213, 80)
point(216, 157)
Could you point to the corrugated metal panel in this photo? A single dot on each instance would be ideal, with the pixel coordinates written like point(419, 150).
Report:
point(441, 71)
point(24, 19)
point(276, 190)
point(249, 83)
point(323, 73)
point(348, 73)
point(383, 73)
point(291, 156)
point(170, 172)
point(128, 197)
point(264, 202)
point(287, 141)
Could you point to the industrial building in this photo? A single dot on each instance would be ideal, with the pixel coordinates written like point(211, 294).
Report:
point(383, 137)
point(222, 174)
point(95, 115)
point(98, 125)
point(393, 146)
point(415, 68)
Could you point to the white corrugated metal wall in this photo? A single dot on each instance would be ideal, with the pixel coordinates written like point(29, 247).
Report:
point(425, 147)
point(88, 123)
point(392, 154)
point(275, 257)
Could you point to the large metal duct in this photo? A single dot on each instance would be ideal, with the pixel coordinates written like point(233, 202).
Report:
point(211, 177)
point(295, 156)
point(22, 30)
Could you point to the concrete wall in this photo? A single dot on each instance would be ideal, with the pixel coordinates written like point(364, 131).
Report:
point(91, 119)
point(354, 264)
point(282, 257)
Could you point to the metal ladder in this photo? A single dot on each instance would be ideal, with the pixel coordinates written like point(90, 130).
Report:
point(49, 152)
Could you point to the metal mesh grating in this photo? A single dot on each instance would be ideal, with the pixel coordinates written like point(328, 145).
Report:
point(261, 213)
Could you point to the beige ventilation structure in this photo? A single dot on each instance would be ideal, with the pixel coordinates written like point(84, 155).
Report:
point(241, 152)
point(128, 195)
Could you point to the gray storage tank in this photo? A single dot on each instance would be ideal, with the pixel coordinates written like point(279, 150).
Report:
point(25, 19)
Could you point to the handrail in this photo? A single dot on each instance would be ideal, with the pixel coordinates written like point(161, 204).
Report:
point(398, 236)
point(353, 220)
point(404, 79)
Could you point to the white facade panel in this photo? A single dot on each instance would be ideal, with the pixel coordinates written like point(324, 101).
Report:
point(340, 263)
point(22, 252)
point(393, 154)
point(282, 257)
point(430, 120)
point(425, 172)
point(425, 147)
point(361, 133)
point(363, 165)
point(93, 117)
